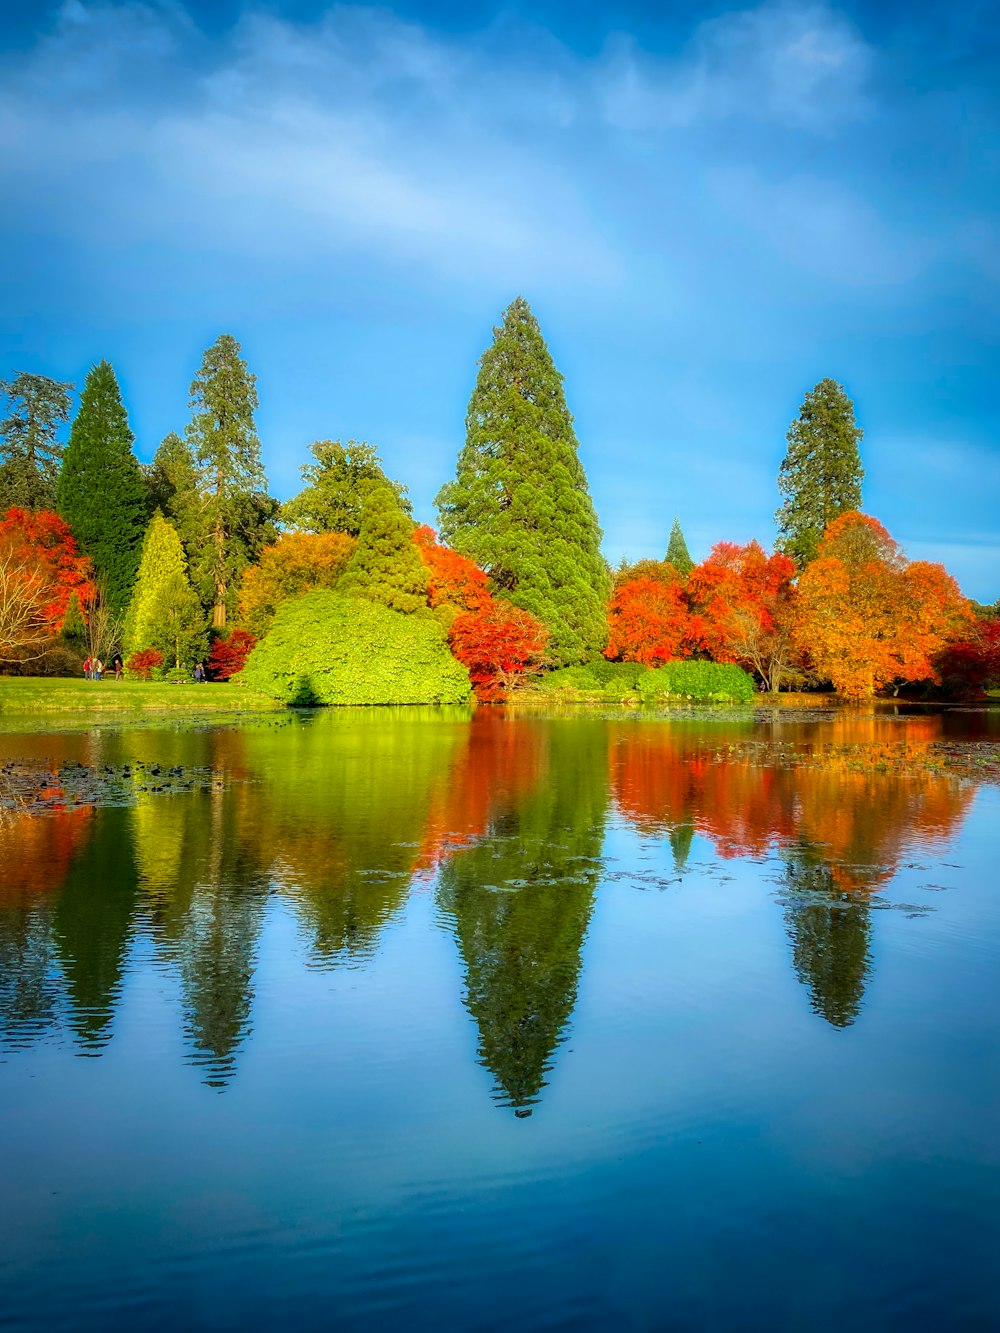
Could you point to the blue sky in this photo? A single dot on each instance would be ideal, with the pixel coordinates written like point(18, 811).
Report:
point(709, 209)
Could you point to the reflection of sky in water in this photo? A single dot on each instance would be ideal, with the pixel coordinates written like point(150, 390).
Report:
point(379, 936)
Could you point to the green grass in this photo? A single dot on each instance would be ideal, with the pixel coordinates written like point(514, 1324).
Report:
point(34, 694)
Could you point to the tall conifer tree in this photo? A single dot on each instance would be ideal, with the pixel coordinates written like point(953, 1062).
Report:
point(30, 453)
point(519, 505)
point(173, 489)
point(237, 513)
point(101, 492)
point(821, 475)
point(678, 554)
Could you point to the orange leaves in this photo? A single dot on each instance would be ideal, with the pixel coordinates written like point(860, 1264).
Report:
point(454, 580)
point(41, 546)
point(648, 621)
point(868, 617)
point(745, 601)
point(228, 655)
point(297, 563)
point(497, 642)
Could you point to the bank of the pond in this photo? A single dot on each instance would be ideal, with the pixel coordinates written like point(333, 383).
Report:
point(31, 695)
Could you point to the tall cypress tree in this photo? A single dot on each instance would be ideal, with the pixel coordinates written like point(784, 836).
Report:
point(101, 492)
point(386, 566)
point(678, 554)
point(821, 474)
point(30, 453)
point(236, 510)
point(519, 505)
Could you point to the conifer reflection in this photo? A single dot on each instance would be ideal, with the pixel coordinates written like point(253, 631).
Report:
point(830, 931)
point(520, 900)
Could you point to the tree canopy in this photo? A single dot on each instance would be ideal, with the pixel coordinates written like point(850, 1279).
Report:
point(519, 505)
point(235, 510)
point(30, 452)
point(338, 486)
point(821, 474)
point(678, 554)
point(164, 612)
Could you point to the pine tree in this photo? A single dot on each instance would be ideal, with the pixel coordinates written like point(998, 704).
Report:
point(101, 492)
point(820, 477)
point(173, 489)
point(236, 510)
point(164, 612)
point(519, 505)
point(29, 451)
point(338, 486)
point(678, 554)
point(386, 566)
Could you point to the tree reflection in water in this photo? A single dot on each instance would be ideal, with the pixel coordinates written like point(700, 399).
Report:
point(503, 816)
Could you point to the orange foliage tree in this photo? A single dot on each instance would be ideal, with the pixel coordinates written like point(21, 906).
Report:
point(868, 617)
point(295, 564)
point(743, 603)
point(41, 542)
point(649, 620)
point(499, 643)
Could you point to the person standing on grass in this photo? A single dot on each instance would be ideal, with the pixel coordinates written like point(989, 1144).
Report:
point(98, 669)
point(199, 672)
point(88, 667)
point(116, 662)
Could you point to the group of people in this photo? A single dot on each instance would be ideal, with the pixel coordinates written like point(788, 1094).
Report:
point(94, 668)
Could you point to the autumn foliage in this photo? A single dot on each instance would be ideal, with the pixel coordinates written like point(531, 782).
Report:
point(868, 617)
point(649, 620)
point(41, 542)
point(141, 664)
point(228, 655)
point(295, 564)
point(499, 643)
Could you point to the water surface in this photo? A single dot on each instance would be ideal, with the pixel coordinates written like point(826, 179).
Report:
point(415, 1018)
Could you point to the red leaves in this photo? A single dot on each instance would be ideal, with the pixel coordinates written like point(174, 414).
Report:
point(229, 655)
point(42, 542)
point(648, 621)
point(498, 643)
point(141, 664)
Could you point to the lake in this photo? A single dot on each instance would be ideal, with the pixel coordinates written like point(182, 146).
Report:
point(405, 1019)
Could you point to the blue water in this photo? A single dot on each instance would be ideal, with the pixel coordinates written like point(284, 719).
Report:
point(399, 1020)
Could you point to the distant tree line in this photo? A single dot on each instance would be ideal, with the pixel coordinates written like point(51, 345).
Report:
point(191, 557)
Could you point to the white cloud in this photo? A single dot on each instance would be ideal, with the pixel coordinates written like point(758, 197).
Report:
point(802, 66)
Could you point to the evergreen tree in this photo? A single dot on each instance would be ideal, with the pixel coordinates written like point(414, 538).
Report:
point(101, 492)
point(678, 554)
point(164, 612)
point(173, 488)
point(237, 513)
point(519, 505)
point(386, 565)
point(821, 474)
point(338, 487)
point(29, 451)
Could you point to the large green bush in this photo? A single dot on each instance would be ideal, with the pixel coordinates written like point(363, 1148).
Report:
point(699, 681)
point(327, 649)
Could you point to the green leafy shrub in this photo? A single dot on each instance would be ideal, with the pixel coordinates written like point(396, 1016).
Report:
point(705, 682)
point(177, 676)
point(327, 649)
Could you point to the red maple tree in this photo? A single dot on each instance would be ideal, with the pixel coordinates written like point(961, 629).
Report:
point(42, 541)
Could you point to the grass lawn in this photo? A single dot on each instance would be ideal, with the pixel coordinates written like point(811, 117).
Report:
point(33, 695)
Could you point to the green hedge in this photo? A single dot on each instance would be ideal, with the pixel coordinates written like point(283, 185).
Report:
point(327, 649)
point(700, 681)
point(703, 681)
